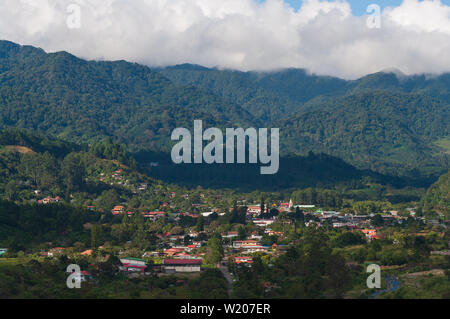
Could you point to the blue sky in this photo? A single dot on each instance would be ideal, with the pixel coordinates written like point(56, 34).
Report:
point(359, 7)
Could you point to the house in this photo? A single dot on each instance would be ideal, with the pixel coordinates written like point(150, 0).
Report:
point(253, 209)
point(370, 233)
point(274, 233)
point(85, 276)
point(182, 255)
point(330, 214)
point(286, 206)
point(312, 223)
point(263, 222)
point(58, 251)
point(87, 252)
point(176, 237)
point(243, 260)
point(255, 248)
point(206, 214)
point(142, 187)
point(130, 264)
point(152, 254)
point(256, 237)
point(182, 265)
point(304, 206)
point(118, 210)
point(154, 215)
point(230, 234)
point(173, 251)
point(49, 200)
point(242, 243)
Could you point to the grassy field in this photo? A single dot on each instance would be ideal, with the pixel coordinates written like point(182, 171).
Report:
point(17, 148)
point(444, 144)
point(7, 262)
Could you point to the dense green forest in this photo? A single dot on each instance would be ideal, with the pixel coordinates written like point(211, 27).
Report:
point(83, 101)
point(392, 131)
point(437, 197)
point(92, 178)
point(387, 123)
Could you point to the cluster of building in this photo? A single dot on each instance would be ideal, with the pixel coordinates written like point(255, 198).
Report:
point(49, 200)
point(137, 265)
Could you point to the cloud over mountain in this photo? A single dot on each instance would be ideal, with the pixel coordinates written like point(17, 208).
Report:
point(323, 37)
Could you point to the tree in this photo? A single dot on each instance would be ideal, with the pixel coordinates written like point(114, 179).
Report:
point(338, 274)
point(350, 238)
point(11, 190)
point(215, 251)
point(29, 168)
point(242, 233)
point(377, 220)
point(73, 171)
point(262, 205)
point(108, 199)
point(200, 223)
point(95, 236)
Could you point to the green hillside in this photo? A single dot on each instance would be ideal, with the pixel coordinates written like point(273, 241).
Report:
point(437, 198)
point(80, 100)
point(383, 130)
point(385, 122)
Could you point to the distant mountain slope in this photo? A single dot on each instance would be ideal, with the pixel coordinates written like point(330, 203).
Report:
point(69, 97)
point(384, 121)
point(377, 129)
point(437, 197)
point(269, 96)
point(435, 86)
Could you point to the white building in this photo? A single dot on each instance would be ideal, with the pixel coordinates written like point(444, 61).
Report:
point(182, 265)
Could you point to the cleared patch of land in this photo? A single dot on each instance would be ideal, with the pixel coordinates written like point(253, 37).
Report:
point(444, 144)
point(434, 272)
point(19, 149)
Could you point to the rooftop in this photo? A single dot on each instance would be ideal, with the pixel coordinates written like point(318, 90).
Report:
point(182, 262)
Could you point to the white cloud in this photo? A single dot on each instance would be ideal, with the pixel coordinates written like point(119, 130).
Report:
point(322, 36)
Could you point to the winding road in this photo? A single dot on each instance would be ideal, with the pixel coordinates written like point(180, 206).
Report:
point(393, 284)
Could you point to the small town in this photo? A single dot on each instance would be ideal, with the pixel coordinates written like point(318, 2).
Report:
point(225, 158)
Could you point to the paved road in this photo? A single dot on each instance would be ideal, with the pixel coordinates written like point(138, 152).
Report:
point(228, 277)
point(393, 284)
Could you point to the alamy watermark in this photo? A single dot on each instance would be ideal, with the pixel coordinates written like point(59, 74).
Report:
point(74, 19)
point(74, 279)
point(374, 280)
point(258, 148)
point(374, 19)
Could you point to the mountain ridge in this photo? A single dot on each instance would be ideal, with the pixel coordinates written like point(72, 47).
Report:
point(380, 122)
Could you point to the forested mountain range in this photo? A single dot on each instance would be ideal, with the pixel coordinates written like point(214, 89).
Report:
point(385, 121)
point(81, 100)
point(390, 130)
